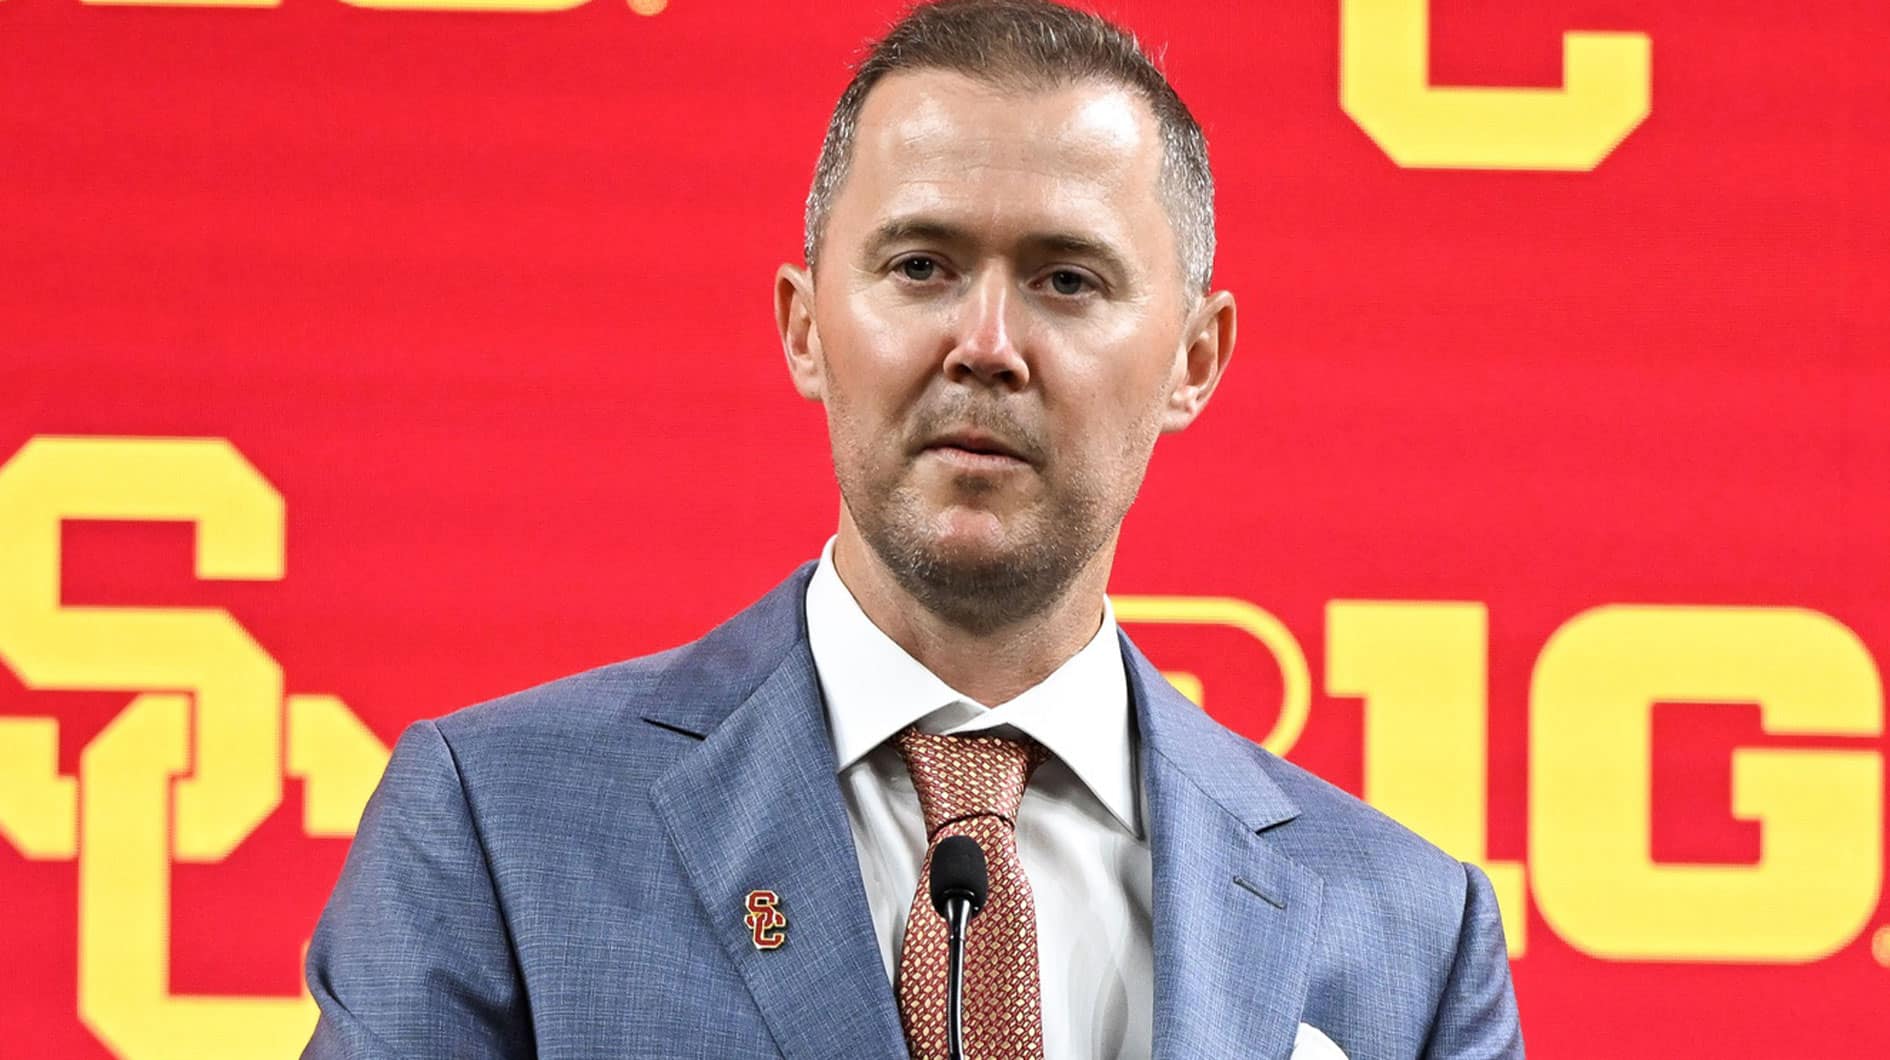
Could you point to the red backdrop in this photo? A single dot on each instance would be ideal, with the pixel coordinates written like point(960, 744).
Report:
point(1554, 485)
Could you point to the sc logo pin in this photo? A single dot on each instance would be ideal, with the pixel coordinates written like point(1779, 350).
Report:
point(767, 925)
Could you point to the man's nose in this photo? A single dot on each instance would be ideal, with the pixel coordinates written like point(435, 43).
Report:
point(986, 347)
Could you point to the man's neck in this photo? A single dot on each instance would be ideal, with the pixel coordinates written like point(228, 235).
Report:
point(992, 666)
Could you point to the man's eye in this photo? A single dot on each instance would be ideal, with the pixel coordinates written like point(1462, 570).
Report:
point(1067, 282)
point(918, 270)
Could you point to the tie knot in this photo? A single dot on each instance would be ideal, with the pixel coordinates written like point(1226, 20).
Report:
point(968, 776)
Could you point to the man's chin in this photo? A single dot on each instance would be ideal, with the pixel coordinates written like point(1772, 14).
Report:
point(973, 567)
point(974, 537)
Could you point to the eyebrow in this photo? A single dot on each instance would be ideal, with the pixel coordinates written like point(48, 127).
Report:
point(910, 229)
point(925, 230)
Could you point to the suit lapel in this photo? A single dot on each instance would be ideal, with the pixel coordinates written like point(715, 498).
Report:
point(758, 807)
point(1234, 918)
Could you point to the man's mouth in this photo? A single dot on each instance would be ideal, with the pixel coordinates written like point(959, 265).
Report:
point(975, 449)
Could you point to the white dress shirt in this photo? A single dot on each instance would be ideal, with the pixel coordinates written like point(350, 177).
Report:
point(1079, 828)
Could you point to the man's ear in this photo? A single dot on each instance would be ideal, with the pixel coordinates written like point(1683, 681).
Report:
point(800, 340)
point(1207, 345)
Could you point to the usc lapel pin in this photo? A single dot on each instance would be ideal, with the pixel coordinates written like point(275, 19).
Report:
point(767, 925)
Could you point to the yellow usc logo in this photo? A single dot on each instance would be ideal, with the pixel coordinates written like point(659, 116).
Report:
point(1384, 85)
point(210, 722)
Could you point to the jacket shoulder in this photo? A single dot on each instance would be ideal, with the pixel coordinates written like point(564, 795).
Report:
point(615, 707)
point(577, 706)
point(1354, 844)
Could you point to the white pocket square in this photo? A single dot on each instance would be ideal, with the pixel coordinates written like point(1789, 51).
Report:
point(1311, 1043)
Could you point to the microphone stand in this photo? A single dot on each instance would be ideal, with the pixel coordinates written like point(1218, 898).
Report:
point(959, 886)
point(957, 918)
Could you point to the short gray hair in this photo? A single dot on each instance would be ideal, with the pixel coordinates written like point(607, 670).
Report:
point(1030, 44)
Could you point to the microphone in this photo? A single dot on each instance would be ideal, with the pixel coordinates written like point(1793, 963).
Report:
point(959, 887)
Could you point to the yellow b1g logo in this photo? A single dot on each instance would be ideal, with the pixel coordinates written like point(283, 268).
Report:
point(210, 720)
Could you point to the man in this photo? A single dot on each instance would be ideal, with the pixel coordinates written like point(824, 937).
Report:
point(723, 850)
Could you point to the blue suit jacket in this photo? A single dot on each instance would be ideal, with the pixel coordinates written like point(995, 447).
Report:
point(562, 873)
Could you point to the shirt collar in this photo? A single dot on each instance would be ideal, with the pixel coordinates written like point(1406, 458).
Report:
point(873, 688)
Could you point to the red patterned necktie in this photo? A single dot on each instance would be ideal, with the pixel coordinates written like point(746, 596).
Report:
point(971, 785)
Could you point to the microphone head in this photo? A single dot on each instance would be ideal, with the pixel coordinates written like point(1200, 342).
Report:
point(958, 872)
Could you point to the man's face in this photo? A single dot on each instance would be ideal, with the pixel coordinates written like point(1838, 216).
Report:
point(998, 331)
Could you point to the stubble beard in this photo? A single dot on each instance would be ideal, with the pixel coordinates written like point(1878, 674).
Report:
point(1044, 548)
point(992, 590)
